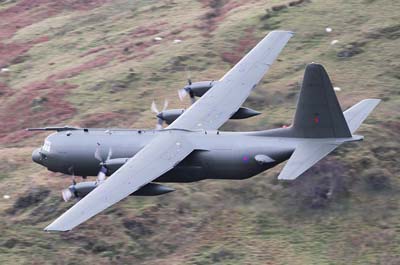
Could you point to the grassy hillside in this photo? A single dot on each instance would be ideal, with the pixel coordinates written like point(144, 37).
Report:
point(98, 63)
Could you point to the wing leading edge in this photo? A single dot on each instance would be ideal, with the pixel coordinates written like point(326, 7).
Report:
point(155, 159)
point(215, 107)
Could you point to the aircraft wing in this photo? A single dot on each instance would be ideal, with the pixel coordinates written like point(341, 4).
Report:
point(215, 107)
point(155, 159)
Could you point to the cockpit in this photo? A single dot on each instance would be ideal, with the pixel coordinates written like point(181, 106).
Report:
point(46, 146)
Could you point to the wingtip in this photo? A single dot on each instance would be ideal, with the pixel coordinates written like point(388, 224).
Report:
point(371, 101)
point(280, 177)
point(285, 175)
point(54, 228)
point(283, 31)
point(376, 100)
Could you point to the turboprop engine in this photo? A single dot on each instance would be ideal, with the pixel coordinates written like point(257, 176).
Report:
point(170, 115)
point(196, 89)
point(114, 163)
point(81, 189)
point(193, 89)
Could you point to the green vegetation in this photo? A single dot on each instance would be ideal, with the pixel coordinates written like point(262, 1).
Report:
point(100, 65)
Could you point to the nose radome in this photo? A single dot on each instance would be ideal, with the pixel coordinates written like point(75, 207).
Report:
point(36, 157)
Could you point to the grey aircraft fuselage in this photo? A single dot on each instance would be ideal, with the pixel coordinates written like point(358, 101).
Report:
point(224, 155)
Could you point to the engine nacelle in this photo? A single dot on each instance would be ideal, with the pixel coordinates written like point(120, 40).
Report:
point(152, 189)
point(78, 190)
point(82, 189)
point(244, 113)
point(198, 89)
point(169, 116)
point(114, 163)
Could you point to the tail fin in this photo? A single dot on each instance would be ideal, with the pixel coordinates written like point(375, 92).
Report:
point(318, 113)
point(359, 112)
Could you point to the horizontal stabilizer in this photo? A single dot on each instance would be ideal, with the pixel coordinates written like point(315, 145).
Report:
point(305, 156)
point(358, 113)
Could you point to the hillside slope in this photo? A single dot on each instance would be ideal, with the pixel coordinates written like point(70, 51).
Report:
point(101, 63)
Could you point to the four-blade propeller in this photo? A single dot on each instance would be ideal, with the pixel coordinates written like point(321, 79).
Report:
point(187, 90)
point(101, 176)
point(158, 113)
point(72, 192)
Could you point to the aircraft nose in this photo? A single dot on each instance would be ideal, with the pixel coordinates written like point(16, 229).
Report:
point(36, 156)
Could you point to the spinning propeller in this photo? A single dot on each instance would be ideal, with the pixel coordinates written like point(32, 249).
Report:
point(101, 176)
point(187, 90)
point(71, 191)
point(160, 120)
point(67, 194)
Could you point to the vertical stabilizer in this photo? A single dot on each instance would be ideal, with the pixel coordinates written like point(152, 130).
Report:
point(319, 116)
point(318, 113)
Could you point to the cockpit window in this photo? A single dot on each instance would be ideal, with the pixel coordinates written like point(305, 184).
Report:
point(46, 146)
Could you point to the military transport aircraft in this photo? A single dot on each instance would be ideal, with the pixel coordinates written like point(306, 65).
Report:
point(192, 148)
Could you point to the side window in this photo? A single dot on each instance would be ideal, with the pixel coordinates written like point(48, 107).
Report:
point(46, 146)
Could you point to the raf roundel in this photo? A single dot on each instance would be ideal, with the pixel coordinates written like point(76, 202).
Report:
point(316, 119)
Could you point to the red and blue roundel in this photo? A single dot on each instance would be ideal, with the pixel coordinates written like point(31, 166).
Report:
point(316, 118)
